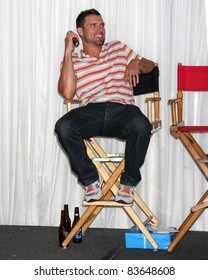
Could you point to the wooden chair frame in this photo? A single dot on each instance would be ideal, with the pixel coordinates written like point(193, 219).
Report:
point(111, 171)
point(190, 78)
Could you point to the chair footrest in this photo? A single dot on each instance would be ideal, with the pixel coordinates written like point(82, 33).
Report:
point(106, 203)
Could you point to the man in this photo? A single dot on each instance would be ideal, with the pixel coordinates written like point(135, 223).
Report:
point(102, 76)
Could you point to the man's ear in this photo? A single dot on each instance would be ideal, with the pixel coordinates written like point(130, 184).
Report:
point(80, 31)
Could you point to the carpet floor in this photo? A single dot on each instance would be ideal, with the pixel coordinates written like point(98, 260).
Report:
point(41, 243)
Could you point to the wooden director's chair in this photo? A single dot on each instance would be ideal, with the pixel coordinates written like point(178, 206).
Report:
point(110, 167)
point(190, 78)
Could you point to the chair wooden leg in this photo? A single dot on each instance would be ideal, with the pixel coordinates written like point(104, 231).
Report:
point(110, 188)
point(111, 166)
point(86, 216)
point(187, 224)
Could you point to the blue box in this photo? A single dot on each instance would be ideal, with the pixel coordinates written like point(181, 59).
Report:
point(134, 238)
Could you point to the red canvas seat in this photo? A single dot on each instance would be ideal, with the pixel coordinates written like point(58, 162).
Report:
point(194, 129)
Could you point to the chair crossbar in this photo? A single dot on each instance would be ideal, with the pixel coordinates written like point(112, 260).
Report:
point(110, 158)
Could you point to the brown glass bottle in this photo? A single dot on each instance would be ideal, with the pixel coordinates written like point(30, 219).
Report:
point(78, 236)
point(67, 219)
point(62, 230)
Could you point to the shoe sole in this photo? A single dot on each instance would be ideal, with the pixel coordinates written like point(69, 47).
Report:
point(93, 199)
point(124, 202)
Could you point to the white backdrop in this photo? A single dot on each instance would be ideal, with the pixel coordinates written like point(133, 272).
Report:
point(35, 177)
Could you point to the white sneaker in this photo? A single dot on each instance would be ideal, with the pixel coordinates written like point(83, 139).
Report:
point(93, 192)
point(125, 194)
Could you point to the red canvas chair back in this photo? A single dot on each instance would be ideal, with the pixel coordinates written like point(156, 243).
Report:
point(192, 78)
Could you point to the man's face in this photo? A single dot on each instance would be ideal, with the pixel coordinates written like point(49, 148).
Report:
point(93, 31)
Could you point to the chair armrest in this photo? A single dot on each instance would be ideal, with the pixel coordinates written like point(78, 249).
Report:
point(176, 100)
point(152, 99)
point(69, 103)
point(153, 109)
point(176, 110)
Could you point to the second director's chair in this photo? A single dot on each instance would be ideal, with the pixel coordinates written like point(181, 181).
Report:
point(110, 167)
point(190, 79)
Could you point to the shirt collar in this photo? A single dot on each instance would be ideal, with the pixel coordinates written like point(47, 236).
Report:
point(105, 47)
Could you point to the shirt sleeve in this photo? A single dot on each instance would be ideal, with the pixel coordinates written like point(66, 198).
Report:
point(130, 54)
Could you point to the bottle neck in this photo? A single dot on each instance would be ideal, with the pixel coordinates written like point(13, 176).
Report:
point(62, 217)
point(76, 209)
point(66, 209)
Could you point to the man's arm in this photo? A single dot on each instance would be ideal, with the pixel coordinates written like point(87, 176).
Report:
point(67, 80)
point(135, 67)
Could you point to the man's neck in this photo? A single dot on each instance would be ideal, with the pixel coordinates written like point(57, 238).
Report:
point(93, 51)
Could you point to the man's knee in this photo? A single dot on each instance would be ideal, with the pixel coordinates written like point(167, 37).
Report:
point(62, 126)
point(141, 125)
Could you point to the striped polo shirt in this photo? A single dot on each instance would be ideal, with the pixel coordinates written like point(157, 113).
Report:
point(102, 80)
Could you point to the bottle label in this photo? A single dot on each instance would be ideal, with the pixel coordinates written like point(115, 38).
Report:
point(78, 235)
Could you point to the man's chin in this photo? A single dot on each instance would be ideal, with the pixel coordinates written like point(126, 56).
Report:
point(101, 42)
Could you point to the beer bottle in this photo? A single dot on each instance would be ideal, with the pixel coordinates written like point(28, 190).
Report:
point(78, 236)
point(62, 230)
point(67, 219)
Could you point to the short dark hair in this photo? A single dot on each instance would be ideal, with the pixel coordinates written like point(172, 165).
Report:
point(80, 21)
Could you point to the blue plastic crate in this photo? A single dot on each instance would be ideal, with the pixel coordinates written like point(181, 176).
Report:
point(134, 238)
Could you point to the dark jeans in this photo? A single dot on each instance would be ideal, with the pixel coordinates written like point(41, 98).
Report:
point(106, 119)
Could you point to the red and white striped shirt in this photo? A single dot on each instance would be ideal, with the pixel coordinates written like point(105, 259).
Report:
point(102, 80)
